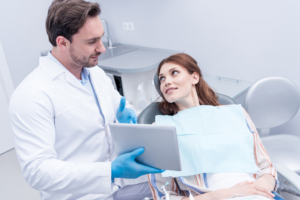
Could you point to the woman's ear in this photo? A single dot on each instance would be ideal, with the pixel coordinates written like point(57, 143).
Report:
point(195, 78)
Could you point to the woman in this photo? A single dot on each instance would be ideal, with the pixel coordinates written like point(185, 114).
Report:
point(183, 87)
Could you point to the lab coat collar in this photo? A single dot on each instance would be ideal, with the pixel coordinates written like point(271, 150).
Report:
point(53, 69)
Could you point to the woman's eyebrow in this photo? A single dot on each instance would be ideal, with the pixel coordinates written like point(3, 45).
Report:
point(169, 71)
point(172, 69)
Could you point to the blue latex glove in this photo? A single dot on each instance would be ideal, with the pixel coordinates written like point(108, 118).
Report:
point(125, 166)
point(125, 115)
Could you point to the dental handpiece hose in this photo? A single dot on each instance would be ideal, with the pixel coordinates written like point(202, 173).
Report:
point(165, 191)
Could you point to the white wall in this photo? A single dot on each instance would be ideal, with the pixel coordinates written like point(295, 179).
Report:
point(246, 40)
point(6, 89)
point(23, 34)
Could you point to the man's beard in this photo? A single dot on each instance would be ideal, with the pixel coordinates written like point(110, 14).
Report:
point(82, 62)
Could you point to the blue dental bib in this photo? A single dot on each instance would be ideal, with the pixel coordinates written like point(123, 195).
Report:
point(212, 139)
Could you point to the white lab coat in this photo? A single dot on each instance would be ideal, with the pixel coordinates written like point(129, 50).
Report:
point(64, 150)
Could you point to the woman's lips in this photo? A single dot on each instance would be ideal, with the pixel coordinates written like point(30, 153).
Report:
point(169, 90)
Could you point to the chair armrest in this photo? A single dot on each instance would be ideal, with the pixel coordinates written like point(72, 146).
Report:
point(289, 175)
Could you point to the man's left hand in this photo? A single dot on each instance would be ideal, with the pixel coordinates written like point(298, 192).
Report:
point(125, 115)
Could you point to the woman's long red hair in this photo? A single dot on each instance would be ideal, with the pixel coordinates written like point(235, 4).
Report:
point(205, 94)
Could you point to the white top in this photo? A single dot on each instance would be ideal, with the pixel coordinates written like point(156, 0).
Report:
point(226, 180)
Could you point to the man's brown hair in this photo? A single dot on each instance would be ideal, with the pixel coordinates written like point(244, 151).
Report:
point(66, 17)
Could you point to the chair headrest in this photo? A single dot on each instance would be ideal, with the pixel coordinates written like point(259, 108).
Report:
point(272, 102)
point(157, 86)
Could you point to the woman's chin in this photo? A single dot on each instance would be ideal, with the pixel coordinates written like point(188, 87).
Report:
point(171, 100)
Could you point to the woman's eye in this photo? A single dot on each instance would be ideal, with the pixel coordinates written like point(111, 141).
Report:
point(161, 79)
point(175, 72)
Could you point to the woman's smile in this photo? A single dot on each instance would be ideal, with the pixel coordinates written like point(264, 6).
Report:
point(170, 90)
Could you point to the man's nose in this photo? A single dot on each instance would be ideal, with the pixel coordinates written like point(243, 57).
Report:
point(100, 47)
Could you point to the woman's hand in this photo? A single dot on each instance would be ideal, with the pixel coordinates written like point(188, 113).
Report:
point(266, 181)
point(248, 188)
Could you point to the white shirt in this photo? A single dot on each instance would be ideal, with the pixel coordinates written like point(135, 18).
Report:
point(64, 148)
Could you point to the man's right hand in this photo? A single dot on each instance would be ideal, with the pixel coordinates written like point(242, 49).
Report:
point(125, 166)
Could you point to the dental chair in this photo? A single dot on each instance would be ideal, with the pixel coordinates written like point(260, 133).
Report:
point(272, 102)
point(147, 116)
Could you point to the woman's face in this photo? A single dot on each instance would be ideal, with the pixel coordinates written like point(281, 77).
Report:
point(176, 83)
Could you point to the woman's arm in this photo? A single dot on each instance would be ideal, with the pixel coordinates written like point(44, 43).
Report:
point(267, 176)
point(246, 188)
point(156, 181)
point(267, 181)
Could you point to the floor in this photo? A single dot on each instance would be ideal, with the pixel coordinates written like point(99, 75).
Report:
point(12, 184)
point(14, 187)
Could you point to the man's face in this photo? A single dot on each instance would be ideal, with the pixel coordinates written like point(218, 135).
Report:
point(86, 45)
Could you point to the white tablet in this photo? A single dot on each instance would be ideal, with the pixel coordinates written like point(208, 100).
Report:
point(160, 143)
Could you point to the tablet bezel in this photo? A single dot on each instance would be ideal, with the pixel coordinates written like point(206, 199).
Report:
point(160, 143)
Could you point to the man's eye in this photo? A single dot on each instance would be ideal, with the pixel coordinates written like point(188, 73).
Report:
point(92, 42)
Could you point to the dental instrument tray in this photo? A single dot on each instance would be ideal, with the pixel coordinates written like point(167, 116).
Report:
point(160, 144)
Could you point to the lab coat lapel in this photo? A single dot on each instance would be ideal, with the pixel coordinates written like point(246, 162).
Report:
point(53, 70)
point(103, 91)
point(71, 79)
point(100, 90)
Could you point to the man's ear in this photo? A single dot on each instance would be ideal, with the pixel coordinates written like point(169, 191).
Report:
point(62, 43)
point(195, 78)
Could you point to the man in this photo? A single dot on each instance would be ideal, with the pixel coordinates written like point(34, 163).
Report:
point(61, 111)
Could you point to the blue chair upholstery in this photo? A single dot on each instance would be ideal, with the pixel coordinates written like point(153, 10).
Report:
point(147, 116)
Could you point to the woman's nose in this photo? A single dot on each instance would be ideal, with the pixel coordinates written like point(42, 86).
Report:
point(167, 80)
point(167, 83)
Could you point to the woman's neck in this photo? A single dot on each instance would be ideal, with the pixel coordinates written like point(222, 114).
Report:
point(191, 101)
